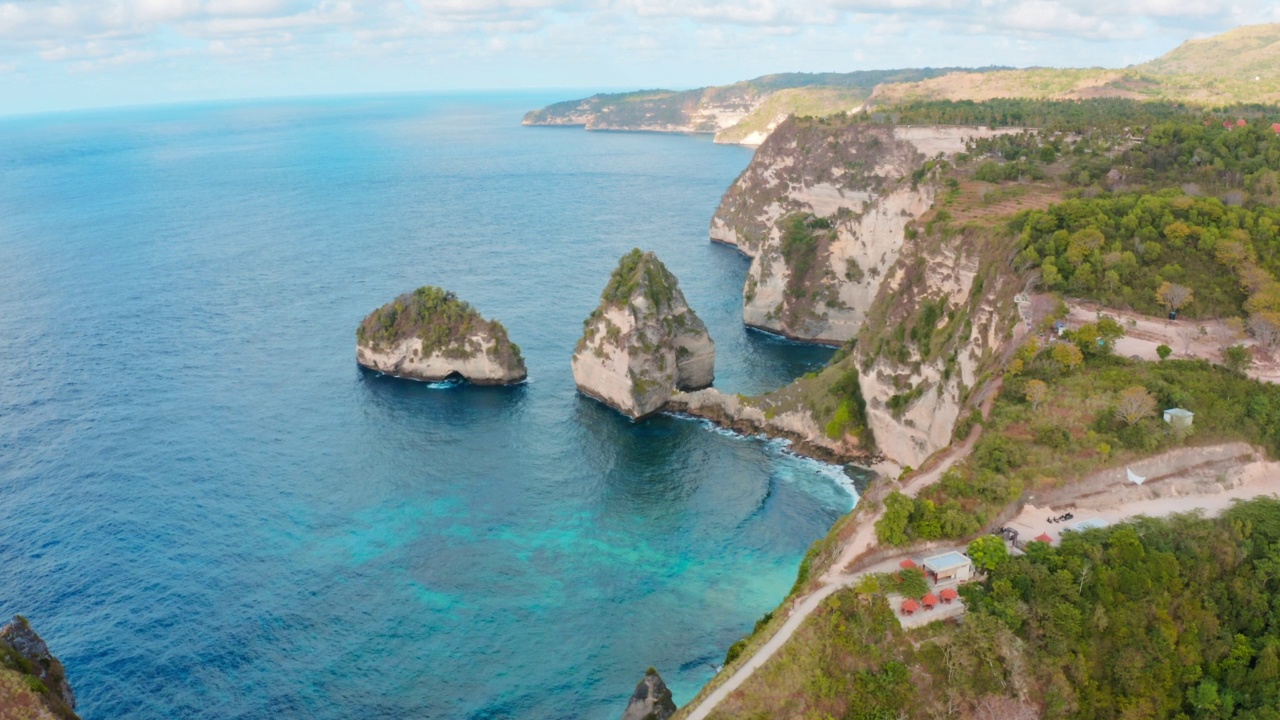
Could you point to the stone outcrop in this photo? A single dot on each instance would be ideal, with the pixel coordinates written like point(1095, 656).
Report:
point(769, 416)
point(823, 210)
point(33, 683)
point(643, 343)
point(429, 334)
point(651, 700)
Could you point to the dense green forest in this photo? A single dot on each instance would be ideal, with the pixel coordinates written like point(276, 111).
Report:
point(1161, 618)
point(1121, 249)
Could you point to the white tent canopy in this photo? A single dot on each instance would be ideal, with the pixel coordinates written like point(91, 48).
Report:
point(1135, 479)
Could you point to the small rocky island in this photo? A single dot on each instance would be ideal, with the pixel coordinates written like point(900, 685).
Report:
point(430, 334)
point(651, 700)
point(643, 343)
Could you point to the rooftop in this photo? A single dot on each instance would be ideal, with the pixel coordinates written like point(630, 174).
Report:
point(1089, 524)
point(945, 561)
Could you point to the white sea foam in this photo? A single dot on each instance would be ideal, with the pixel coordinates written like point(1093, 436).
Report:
point(836, 474)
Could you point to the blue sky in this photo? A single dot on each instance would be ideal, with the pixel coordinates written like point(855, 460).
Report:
point(63, 54)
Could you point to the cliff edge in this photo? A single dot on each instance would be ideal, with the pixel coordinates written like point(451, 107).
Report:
point(643, 343)
point(430, 334)
point(33, 683)
point(823, 211)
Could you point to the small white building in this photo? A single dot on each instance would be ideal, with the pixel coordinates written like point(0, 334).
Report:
point(949, 566)
point(1179, 418)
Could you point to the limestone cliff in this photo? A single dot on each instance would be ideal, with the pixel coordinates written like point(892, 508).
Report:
point(823, 211)
point(643, 343)
point(33, 683)
point(936, 336)
point(429, 334)
point(651, 700)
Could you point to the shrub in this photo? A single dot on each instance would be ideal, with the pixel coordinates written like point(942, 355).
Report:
point(988, 551)
point(1164, 351)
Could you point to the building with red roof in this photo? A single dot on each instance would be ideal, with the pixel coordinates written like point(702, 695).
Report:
point(948, 594)
point(1241, 123)
point(909, 606)
point(1044, 538)
point(1226, 124)
point(930, 601)
point(1276, 127)
point(908, 564)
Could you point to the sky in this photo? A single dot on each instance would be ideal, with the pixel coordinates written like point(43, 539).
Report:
point(69, 54)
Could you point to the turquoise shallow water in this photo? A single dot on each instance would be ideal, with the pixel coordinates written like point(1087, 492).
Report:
point(211, 512)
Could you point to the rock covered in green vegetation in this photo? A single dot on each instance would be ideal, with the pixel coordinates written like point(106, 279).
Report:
point(643, 343)
point(430, 334)
point(33, 683)
point(651, 700)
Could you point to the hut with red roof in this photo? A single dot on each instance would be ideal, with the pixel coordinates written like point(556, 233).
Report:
point(1276, 128)
point(909, 606)
point(1241, 123)
point(908, 564)
point(1226, 124)
point(948, 594)
point(1044, 538)
point(930, 601)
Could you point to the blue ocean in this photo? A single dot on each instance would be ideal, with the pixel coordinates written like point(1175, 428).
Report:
point(210, 511)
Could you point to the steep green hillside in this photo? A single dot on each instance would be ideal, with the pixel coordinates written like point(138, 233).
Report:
point(1156, 619)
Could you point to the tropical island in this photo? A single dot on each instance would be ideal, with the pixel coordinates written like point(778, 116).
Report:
point(432, 335)
point(1057, 302)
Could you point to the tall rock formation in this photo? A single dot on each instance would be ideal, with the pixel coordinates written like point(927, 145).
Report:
point(429, 334)
point(643, 343)
point(823, 211)
point(33, 683)
point(651, 700)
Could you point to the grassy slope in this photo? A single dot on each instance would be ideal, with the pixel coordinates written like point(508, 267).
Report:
point(1216, 70)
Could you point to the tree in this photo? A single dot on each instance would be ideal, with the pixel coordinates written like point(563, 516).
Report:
point(1237, 358)
point(891, 529)
point(1164, 351)
point(1173, 296)
point(1188, 334)
point(1067, 355)
point(1134, 404)
point(912, 582)
point(1036, 392)
point(1265, 326)
point(987, 552)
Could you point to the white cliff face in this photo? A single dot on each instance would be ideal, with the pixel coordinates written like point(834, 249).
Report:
point(404, 359)
point(644, 344)
point(855, 177)
point(972, 338)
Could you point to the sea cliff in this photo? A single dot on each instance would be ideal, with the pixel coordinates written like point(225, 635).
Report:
point(823, 210)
